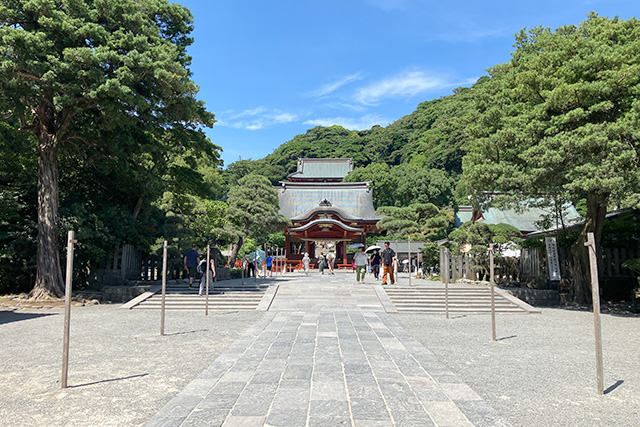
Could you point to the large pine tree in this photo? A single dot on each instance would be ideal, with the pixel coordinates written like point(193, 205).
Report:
point(561, 120)
point(122, 62)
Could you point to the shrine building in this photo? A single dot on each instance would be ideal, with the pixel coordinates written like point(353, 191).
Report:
point(326, 213)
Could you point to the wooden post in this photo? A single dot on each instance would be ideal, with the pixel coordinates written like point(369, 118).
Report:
point(442, 265)
point(446, 282)
point(164, 286)
point(595, 295)
point(242, 264)
point(493, 305)
point(206, 302)
point(454, 277)
point(409, 251)
point(67, 307)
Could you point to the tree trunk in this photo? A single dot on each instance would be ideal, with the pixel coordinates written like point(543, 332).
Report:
point(49, 282)
point(235, 248)
point(594, 223)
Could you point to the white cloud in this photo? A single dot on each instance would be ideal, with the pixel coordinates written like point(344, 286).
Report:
point(332, 87)
point(257, 118)
point(249, 113)
point(285, 118)
point(365, 122)
point(345, 106)
point(406, 84)
point(254, 126)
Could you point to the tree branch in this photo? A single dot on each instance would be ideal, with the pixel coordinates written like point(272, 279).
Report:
point(24, 126)
point(28, 76)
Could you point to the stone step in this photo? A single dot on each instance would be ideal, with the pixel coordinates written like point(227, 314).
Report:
point(216, 302)
point(180, 297)
point(460, 300)
point(196, 297)
point(199, 307)
point(460, 310)
point(437, 291)
point(451, 301)
point(442, 295)
point(217, 289)
point(465, 306)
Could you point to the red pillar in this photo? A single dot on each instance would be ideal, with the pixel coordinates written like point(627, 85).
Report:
point(306, 247)
point(287, 242)
point(344, 252)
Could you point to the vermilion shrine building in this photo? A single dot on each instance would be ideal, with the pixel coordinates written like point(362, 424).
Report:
point(325, 212)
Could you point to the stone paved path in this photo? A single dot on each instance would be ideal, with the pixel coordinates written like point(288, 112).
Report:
point(327, 354)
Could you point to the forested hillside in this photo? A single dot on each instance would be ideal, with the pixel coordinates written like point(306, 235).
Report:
point(420, 151)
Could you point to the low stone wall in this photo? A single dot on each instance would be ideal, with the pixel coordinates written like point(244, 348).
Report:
point(536, 297)
point(122, 294)
point(223, 273)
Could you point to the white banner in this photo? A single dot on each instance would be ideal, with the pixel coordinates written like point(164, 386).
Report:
point(553, 261)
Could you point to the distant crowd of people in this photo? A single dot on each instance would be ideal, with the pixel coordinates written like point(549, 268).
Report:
point(363, 263)
point(383, 264)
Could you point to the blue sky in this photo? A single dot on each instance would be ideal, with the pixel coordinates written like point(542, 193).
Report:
point(270, 70)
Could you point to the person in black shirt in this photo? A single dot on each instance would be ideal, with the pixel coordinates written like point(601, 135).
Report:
point(388, 255)
point(375, 264)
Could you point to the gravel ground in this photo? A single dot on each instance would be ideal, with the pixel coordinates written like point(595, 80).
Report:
point(121, 371)
point(541, 371)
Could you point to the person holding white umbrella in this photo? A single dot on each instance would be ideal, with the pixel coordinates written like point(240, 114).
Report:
point(361, 260)
point(375, 264)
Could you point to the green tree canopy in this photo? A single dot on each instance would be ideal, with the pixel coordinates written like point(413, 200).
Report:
point(561, 120)
point(405, 184)
point(253, 210)
point(420, 221)
point(75, 72)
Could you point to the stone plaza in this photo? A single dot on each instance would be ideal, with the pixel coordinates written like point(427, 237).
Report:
point(323, 351)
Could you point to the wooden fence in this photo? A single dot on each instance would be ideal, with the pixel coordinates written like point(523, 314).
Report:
point(533, 263)
point(125, 263)
point(465, 266)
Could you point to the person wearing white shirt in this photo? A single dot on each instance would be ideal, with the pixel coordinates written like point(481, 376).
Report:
point(361, 261)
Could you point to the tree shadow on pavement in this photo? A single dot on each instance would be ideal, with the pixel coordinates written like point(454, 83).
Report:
point(13, 316)
point(109, 380)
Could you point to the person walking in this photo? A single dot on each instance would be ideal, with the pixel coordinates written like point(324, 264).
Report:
point(210, 272)
point(375, 264)
point(321, 261)
point(388, 260)
point(305, 263)
point(251, 268)
point(191, 261)
point(269, 265)
point(361, 260)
